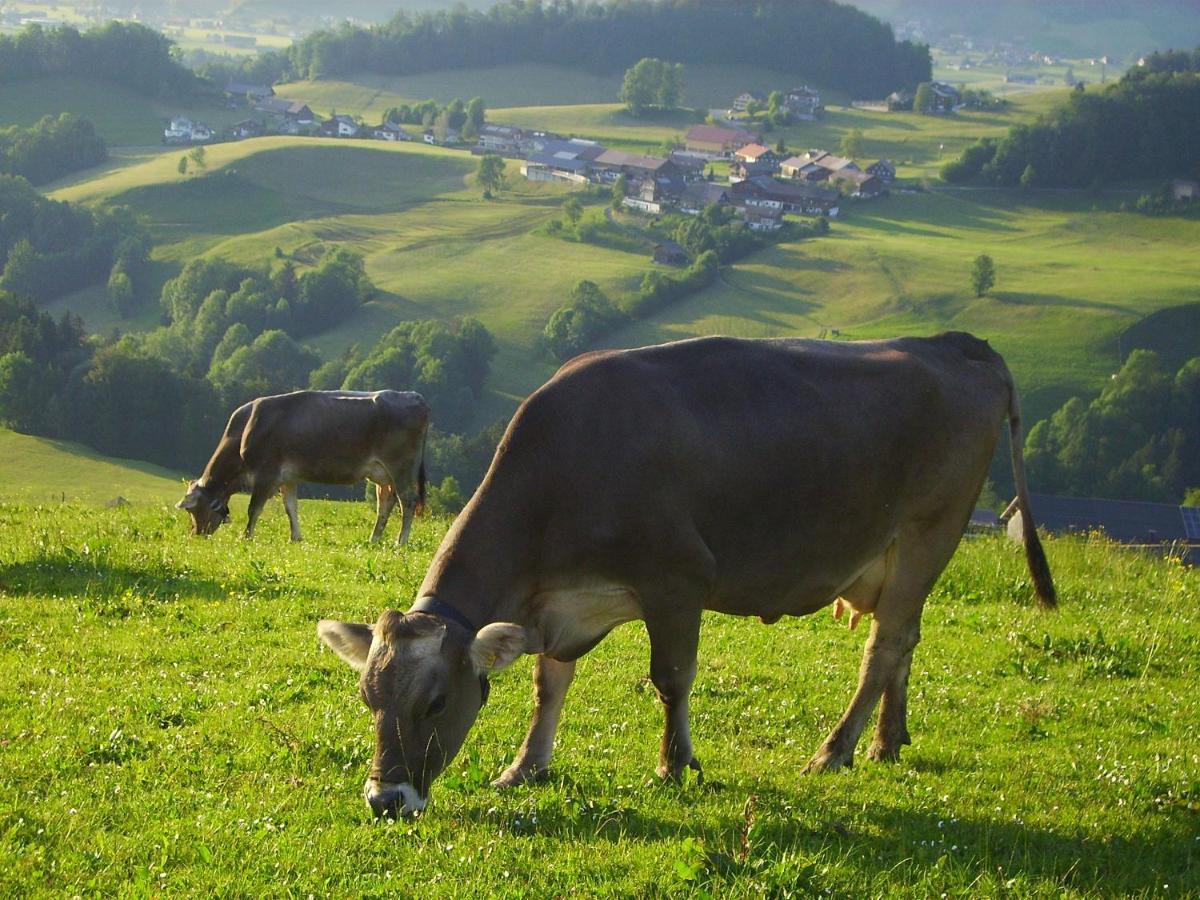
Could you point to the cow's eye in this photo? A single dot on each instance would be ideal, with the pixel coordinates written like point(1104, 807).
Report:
point(437, 707)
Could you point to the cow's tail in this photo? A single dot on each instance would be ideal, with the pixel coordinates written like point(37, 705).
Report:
point(419, 509)
point(1035, 556)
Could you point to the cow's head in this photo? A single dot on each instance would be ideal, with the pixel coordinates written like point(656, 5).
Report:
point(424, 682)
point(208, 508)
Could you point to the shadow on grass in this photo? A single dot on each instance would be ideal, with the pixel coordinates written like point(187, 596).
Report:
point(1049, 300)
point(119, 590)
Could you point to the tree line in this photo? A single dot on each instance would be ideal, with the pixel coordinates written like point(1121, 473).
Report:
point(124, 53)
point(51, 148)
point(1138, 440)
point(830, 43)
point(52, 247)
point(1147, 125)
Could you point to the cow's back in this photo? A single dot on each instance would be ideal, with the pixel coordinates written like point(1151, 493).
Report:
point(774, 454)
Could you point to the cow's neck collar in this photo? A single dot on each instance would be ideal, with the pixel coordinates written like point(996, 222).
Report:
point(435, 607)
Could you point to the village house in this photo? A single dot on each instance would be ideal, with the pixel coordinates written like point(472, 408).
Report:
point(900, 101)
point(884, 170)
point(292, 110)
point(816, 165)
point(647, 197)
point(802, 103)
point(241, 92)
point(450, 136)
point(247, 128)
point(669, 253)
point(561, 160)
point(746, 99)
point(943, 97)
point(502, 139)
point(715, 141)
point(692, 167)
point(339, 126)
point(857, 183)
point(765, 192)
point(699, 194)
point(182, 130)
point(761, 218)
point(612, 164)
point(740, 171)
point(752, 153)
point(390, 131)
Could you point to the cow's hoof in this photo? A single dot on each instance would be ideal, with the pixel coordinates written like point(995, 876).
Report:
point(828, 761)
point(674, 774)
point(880, 752)
point(515, 776)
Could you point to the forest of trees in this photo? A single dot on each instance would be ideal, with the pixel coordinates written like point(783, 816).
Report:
point(832, 44)
point(53, 147)
point(124, 53)
point(51, 247)
point(1138, 440)
point(1147, 125)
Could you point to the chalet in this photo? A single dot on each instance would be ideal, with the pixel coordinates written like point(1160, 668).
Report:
point(752, 153)
point(502, 139)
point(247, 128)
point(286, 109)
point(612, 164)
point(857, 183)
point(339, 126)
point(692, 167)
point(761, 218)
point(740, 171)
point(746, 99)
point(943, 97)
point(1125, 521)
point(763, 191)
point(816, 165)
point(237, 90)
point(390, 131)
point(714, 141)
point(181, 130)
point(802, 103)
point(449, 136)
point(1185, 189)
point(699, 194)
point(647, 197)
point(884, 170)
point(900, 101)
point(669, 253)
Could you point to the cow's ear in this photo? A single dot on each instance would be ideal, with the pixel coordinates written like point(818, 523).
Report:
point(496, 646)
point(349, 640)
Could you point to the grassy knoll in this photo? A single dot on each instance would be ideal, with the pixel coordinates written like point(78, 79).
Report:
point(1070, 279)
point(121, 116)
point(523, 85)
point(42, 470)
point(170, 725)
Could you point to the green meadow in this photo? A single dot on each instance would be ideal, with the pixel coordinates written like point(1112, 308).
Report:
point(171, 726)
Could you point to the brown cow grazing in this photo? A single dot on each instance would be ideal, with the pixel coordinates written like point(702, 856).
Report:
point(757, 478)
point(329, 437)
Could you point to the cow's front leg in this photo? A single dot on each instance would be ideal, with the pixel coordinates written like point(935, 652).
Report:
point(673, 642)
point(290, 496)
point(551, 679)
point(385, 500)
point(259, 495)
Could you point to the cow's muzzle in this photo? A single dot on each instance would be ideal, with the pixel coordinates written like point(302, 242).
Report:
point(391, 800)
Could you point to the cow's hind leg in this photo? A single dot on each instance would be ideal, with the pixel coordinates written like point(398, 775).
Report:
point(912, 567)
point(385, 502)
point(551, 678)
point(408, 509)
point(288, 492)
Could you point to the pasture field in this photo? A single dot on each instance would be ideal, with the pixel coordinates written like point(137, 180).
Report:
point(170, 725)
point(525, 85)
point(42, 470)
point(121, 116)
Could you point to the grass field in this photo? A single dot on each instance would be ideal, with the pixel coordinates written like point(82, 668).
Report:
point(526, 85)
point(34, 469)
point(171, 726)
